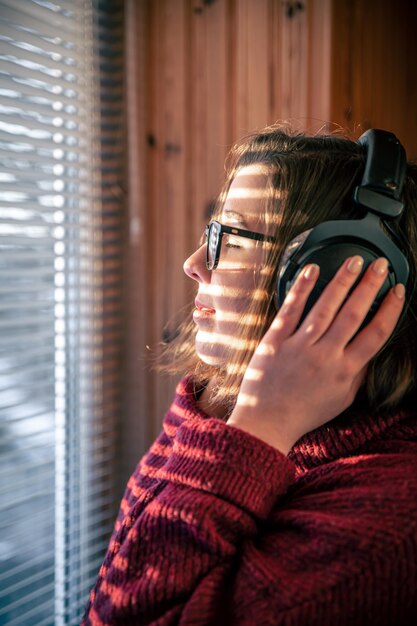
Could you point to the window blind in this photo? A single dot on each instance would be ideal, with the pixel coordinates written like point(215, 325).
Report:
point(61, 225)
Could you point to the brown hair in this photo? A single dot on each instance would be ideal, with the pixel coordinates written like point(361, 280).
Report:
point(311, 180)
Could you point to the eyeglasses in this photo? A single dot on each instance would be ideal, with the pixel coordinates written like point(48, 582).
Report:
point(214, 235)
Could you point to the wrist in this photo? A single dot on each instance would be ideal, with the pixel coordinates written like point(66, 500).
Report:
point(278, 438)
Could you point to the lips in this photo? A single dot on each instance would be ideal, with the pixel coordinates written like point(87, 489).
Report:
point(203, 308)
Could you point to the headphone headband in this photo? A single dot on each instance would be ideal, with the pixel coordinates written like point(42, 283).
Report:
point(383, 180)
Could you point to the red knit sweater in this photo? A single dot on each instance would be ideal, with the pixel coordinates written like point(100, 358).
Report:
point(218, 528)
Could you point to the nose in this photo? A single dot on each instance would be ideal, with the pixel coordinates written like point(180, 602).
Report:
point(195, 266)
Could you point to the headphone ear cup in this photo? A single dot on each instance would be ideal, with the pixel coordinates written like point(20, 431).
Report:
point(329, 258)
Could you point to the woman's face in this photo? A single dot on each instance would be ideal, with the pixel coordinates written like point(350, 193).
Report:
point(225, 293)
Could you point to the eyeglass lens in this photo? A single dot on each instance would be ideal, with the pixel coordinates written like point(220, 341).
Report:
point(213, 240)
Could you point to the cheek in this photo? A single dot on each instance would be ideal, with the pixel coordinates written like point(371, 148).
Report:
point(234, 285)
point(231, 307)
point(236, 299)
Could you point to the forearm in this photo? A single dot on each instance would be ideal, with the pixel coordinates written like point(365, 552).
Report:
point(187, 538)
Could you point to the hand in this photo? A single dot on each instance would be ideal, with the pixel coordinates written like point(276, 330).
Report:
point(300, 378)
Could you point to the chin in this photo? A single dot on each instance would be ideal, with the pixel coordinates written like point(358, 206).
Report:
point(210, 354)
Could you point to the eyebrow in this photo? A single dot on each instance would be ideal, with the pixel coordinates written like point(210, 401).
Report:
point(236, 216)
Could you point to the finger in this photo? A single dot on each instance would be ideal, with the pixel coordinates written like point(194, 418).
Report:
point(325, 309)
point(289, 315)
point(357, 306)
point(371, 339)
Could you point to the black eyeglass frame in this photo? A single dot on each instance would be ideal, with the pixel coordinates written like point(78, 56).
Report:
point(230, 230)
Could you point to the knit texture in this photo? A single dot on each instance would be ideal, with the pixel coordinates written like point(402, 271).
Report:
point(216, 527)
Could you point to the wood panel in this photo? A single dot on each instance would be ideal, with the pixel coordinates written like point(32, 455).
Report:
point(373, 74)
point(249, 31)
point(156, 232)
point(200, 99)
point(293, 66)
point(319, 30)
point(302, 56)
point(168, 123)
point(218, 64)
point(136, 428)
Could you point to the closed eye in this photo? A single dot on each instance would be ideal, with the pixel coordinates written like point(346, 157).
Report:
point(233, 242)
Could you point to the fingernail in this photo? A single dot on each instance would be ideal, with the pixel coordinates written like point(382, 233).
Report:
point(355, 264)
point(311, 271)
point(399, 291)
point(380, 266)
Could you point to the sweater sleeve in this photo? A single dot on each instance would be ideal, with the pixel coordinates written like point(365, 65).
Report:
point(232, 537)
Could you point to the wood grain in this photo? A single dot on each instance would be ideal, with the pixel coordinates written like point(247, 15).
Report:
point(373, 74)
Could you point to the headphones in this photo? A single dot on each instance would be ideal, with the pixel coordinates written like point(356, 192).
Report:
point(330, 243)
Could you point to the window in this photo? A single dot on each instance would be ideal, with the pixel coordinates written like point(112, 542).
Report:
point(61, 225)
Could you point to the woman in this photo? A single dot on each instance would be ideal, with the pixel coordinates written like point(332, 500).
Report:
point(283, 486)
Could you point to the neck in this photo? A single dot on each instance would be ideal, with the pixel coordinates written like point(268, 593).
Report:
point(206, 404)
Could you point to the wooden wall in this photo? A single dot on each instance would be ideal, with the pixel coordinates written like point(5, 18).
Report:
point(374, 67)
point(201, 74)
